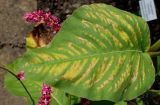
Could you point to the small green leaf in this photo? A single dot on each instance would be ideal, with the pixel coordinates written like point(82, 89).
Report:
point(121, 103)
point(75, 100)
point(139, 101)
point(59, 97)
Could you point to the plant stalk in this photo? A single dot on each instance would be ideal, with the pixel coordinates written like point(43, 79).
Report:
point(154, 54)
point(3, 68)
point(155, 46)
point(154, 91)
point(70, 99)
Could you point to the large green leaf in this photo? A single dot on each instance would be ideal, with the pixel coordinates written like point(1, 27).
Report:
point(100, 53)
point(58, 97)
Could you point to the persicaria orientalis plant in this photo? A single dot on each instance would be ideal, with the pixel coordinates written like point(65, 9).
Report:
point(100, 53)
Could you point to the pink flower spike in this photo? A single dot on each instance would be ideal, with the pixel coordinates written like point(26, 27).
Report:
point(45, 99)
point(20, 75)
point(44, 17)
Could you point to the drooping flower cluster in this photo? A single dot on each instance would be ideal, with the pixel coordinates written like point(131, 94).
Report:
point(20, 75)
point(45, 99)
point(40, 16)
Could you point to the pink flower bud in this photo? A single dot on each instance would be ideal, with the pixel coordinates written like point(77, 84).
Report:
point(20, 75)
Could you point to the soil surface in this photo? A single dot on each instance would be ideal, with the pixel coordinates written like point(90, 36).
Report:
point(13, 30)
point(12, 39)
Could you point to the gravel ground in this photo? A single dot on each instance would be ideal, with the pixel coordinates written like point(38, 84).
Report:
point(12, 39)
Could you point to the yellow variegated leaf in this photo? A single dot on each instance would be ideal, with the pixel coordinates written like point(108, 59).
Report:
point(100, 53)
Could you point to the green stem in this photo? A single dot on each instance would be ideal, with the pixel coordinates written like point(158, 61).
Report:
point(154, 91)
point(69, 99)
point(3, 68)
point(154, 54)
point(155, 46)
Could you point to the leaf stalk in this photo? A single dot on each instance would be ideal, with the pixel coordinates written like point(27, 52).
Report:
point(154, 54)
point(155, 46)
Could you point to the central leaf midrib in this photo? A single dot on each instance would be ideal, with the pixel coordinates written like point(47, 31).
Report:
point(81, 57)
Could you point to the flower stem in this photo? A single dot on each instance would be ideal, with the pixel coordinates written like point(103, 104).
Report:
point(3, 68)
